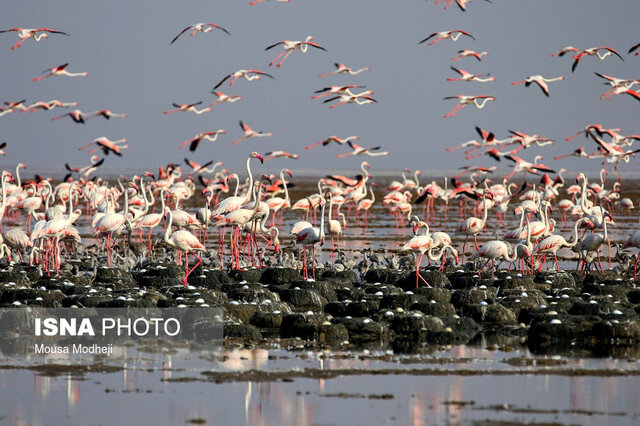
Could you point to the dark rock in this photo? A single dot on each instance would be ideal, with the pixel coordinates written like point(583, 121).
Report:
point(403, 301)
point(280, 276)
point(472, 296)
point(381, 289)
point(333, 334)
point(385, 276)
point(433, 308)
point(266, 319)
point(301, 325)
point(620, 331)
point(251, 275)
point(242, 331)
point(494, 314)
point(325, 289)
point(415, 324)
point(210, 279)
point(240, 311)
point(440, 295)
point(364, 329)
point(114, 277)
point(347, 277)
point(303, 300)
point(161, 275)
point(584, 308)
point(336, 309)
point(435, 279)
point(634, 296)
point(463, 280)
point(251, 293)
point(363, 308)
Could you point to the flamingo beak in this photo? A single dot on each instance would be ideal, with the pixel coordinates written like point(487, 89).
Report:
point(322, 242)
point(260, 157)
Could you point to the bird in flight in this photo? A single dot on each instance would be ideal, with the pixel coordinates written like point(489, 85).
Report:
point(467, 76)
point(359, 150)
point(279, 154)
point(290, 46)
point(225, 98)
point(343, 69)
point(248, 75)
point(463, 100)
point(195, 141)
point(249, 133)
point(203, 27)
point(60, 70)
point(465, 53)
point(540, 81)
point(76, 115)
point(361, 98)
point(330, 139)
point(25, 34)
point(106, 146)
point(187, 108)
point(594, 51)
point(454, 35)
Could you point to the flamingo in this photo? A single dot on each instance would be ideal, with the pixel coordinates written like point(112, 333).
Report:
point(334, 227)
point(225, 98)
point(248, 75)
point(361, 98)
point(553, 243)
point(540, 81)
point(594, 51)
point(336, 90)
point(462, 4)
point(184, 241)
point(467, 76)
point(564, 51)
point(634, 241)
point(3, 145)
point(203, 27)
point(195, 141)
point(279, 154)
point(46, 105)
point(465, 53)
point(76, 115)
point(365, 205)
point(249, 133)
point(17, 240)
point(106, 113)
point(454, 35)
point(151, 220)
point(359, 150)
point(335, 139)
point(60, 70)
point(593, 242)
point(106, 146)
point(615, 83)
point(290, 46)
point(343, 69)
point(187, 108)
point(277, 203)
point(311, 236)
point(473, 226)
point(526, 167)
point(25, 34)
point(418, 244)
point(493, 250)
point(463, 100)
point(87, 170)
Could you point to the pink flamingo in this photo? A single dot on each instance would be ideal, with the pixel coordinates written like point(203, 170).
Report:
point(248, 75)
point(203, 27)
point(463, 100)
point(553, 243)
point(343, 69)
point(25, 34)
point(195, 141)
point(594, 51)
point(467, 76)
point(60, 70)
point(185, 242)
point(290, 46)
point(492, 250)
point(419, 244)
point(250, 133)
point(330, 139)
point(311, 236)
point(225, 98)
point(187, 108)
point(454, 35)
point(540, 81)
point(465, 53)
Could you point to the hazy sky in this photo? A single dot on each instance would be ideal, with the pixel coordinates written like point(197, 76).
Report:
point(124, 46)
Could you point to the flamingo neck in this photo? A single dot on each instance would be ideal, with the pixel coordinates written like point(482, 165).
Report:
point(247, 196)
point(286, 191)
point(167, 232)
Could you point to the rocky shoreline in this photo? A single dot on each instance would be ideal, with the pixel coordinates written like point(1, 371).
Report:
point(551, 313)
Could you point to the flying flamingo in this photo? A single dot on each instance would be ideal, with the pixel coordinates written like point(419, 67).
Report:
point(418, 244)
point(564, 51)
point(492, 250)
point(202, 168)
point(290, 46)
point(311, 236)
point(47, 105)
point(279, 154)
point(203, 27)
point(462, 4)
point(594, 51)
point(361, 98)
point(184, 241)
point(224, 98)
point(195, 141)
point(248, 75)
point(343, 69)
point(467, 76)
point(465, 53)
point(615, 83)
point(106, 146)
point(540, 81)
point(359, 150)
point(25, 34)
point(3, 145)
point(336, 90)
point(454, 35)
point(87, 170)
point(635, 47)
point(76, 115)
point(187, 108)
point(249, 133)
point(553, 243)
point(578, 152)
point(463, 100)
point(335, 139)
point(106, 113)
point(526, 167)
point(60, 70)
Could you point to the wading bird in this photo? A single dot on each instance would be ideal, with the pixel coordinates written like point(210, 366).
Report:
point(594, 51)
point(463, 100)
point(343, 69)
point(195, 141)
point(359, 150)
point(250, 133)
point(335, 139)
point(467, 76)
point(454, 35)
point(465, 53)
point(187, 108)
point(248, 75)
point(106, 146)
point(60, 70)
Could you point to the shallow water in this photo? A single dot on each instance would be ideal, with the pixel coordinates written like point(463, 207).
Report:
point(459, 385)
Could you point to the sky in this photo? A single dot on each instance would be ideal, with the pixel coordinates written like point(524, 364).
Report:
point(124, 46)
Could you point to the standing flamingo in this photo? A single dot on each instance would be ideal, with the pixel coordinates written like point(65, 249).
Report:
point(418, 244)
point(311, 236)
point(553, 243)
point(184, 241)
point(473, 226)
